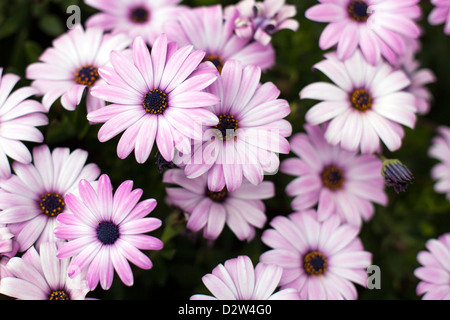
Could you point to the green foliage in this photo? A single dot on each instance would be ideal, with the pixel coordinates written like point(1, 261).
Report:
point(396, 233)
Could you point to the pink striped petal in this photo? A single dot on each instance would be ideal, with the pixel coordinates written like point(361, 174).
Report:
point(117, 124)
point(158, 55)
point(128, 72)
point(145, 138)
point(326, 12)
point(216, 220)
point(116, 95)
point(348, 41)
point(143, 61)
point(164, 139)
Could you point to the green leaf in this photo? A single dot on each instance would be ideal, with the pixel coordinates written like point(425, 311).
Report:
point(52, 25)
point(32, 50)
point(14, 21)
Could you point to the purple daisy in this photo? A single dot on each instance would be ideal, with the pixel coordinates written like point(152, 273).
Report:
point(259, 20)
point(419, 77)
point(237, 279)
point(337, 180)
point(144, 18)
point(8, 249)
point(440, 150)
point(440, 14)
point(19, 117)
point(377, 27)
point(42, 276)
point(6, 240)
point(156, 97)
point(32, 198)
point(71, 66)
point(364, 105)
point(210, 29)
point(322, 260)
point(250, 133)
point(242, 210)
point(434, 272)
point(105, 230)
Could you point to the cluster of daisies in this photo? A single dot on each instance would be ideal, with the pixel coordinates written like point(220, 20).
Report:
point(186, 83)
point(376, 89)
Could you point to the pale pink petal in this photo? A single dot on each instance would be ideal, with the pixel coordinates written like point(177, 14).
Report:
point(22, 289)
point(164, 139)
point(116, 95)
point(128, 72)
point(158, 55)
point(331, 34)
point(325, 110)
point(145, 138)
point(326, 12)
point(117, 124)
point(218, 288)
point(323, 91)
point(348, 41)
point(72, 98)
point(199, 217)
point(216, 220)
point(143, 61)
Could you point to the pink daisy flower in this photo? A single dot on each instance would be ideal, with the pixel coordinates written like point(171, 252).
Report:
point(250, 133)
point(237, 279)
point(242, 210)
point(144, 18)
point(364, 104)
point(19, 117)
point(337, 180)
point(259, 20)
point(70, 67)
point(32, 198)
point(42, 276)
point(440, 150)
point(8, 249)
point(6, 240)
point(377, 27)
point(209, 28)
point(105, 230)
point(322, 260)
point(440, 14)
point(419, 77)
point(156, 97)
point(434, 272)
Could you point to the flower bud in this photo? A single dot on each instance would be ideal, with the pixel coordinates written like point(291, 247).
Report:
point(396, 174)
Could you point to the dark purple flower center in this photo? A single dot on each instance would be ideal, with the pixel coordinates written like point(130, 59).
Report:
point(217, 196)
point(139, 14)
point(59, 295)
point(107, 232)
point(51, 204)
point(216, 60)
point(86, 75)
point(155, 101)
point(227, 127)
point(314, 263)
point(332, 177)
point(361, 99)
point(357, 10)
